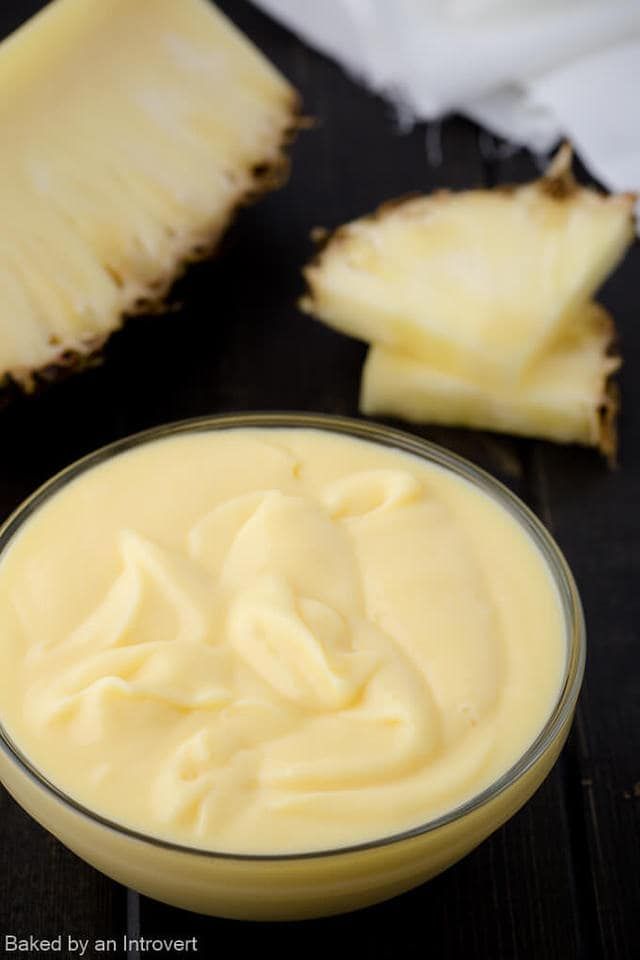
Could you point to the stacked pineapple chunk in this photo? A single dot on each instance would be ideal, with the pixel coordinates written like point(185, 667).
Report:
point(132, 130)
point(478, 306)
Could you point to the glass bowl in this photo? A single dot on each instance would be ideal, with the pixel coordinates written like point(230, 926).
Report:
point(297, 886)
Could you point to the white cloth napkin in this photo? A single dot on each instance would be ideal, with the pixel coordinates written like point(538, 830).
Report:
point(530, 71)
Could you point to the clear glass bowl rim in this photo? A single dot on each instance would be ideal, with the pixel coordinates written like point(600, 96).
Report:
point(389, 437)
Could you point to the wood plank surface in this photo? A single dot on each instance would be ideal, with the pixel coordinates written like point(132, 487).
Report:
point(560, 880)
point(46, 891)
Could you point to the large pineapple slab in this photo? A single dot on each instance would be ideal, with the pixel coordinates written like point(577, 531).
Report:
point(567, 396)
point(477, 283)
point(131, 131)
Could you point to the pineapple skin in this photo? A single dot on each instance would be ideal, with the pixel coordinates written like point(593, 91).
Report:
point(567, 397)
point(478, 282)
point(135, 130)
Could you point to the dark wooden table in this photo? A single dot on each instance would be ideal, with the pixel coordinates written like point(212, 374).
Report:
point(562, 879)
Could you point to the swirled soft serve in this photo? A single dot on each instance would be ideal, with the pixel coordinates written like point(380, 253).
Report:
point(274, 640)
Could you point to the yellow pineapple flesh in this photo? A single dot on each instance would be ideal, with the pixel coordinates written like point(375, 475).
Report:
point(477, 283)
point(132, 130)
point(567, 396)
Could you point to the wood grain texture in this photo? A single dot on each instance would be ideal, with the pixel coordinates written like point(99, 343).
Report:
point(559, 881)
point(45, 890)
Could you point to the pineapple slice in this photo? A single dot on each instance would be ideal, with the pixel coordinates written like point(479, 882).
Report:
point(132, 130)
point(478, 283)
point(567, 396)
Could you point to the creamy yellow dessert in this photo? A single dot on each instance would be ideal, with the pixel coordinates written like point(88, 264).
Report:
point(274, 640)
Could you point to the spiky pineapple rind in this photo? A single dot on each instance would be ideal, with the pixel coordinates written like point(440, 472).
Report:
point(607, 419)
point(265, 175)
point(607, 407)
